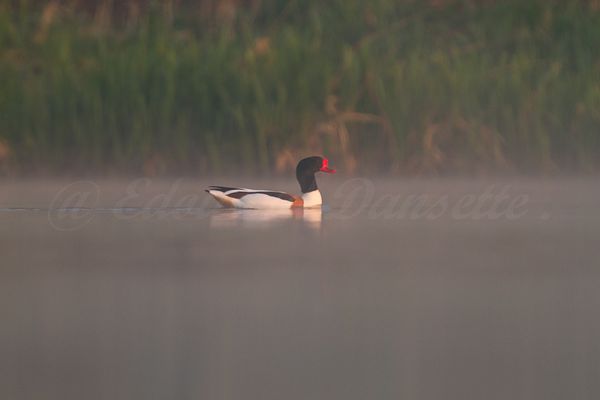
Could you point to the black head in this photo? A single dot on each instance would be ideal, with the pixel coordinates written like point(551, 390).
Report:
point(306, 170)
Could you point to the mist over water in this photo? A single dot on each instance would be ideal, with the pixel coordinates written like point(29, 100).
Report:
point(412, 289)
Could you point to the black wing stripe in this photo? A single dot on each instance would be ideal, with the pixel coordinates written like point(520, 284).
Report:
point(222, 188)
point(279, 195)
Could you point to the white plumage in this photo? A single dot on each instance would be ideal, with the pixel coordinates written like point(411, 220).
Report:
point(253, 199)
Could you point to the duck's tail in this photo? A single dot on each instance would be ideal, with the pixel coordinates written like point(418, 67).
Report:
point(218, 193)
point(222, 189)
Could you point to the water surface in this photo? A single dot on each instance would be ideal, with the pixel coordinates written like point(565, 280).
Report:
point(109, 292)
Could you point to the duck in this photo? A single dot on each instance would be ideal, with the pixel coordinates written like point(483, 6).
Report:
point(231, 197)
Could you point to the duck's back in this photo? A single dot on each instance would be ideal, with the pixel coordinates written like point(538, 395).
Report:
point(251, 198)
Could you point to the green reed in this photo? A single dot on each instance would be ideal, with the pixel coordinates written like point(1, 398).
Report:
point(393, 85)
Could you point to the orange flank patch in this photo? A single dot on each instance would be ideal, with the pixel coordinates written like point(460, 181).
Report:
point(298, 202)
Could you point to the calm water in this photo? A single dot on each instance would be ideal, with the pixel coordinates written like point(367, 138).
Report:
point(396, 290)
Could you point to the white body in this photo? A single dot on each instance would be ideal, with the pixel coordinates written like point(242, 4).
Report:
point(256, 200)
point(312, 199)
point(251, 200)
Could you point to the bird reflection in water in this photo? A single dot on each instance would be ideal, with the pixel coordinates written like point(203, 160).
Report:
point(232, 218)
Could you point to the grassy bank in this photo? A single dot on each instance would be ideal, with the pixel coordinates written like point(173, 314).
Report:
point(398, 86)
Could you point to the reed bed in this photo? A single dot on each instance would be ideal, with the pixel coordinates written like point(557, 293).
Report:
point(220, 86)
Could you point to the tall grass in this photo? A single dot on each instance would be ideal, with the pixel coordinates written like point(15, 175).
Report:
point(392, 85)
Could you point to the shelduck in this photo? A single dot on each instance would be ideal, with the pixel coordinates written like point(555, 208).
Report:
point(268, 199)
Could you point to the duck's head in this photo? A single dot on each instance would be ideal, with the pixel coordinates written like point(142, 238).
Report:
point(306, 170)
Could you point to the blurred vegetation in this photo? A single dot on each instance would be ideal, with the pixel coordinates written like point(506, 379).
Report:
point(210, 86)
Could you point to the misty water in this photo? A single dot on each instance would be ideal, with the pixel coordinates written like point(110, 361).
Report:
point(396, 289)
